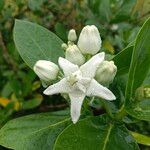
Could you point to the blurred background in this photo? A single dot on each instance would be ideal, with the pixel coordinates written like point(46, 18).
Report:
point(20, 90)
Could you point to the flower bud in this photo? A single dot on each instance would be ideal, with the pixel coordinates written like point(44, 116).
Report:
point(64, 46)
point(74, 55)
point(106, 73)
point(89, 40)
point(147, 92)
point(46, 71)
point(72, 35)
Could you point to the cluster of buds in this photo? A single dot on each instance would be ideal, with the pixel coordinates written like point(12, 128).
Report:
point(89, 43)
point(72, 52)
point(147, 92)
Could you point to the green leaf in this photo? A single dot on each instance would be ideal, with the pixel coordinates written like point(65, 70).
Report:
point(30, 104)
point(1, 4)
point(61, 31)
point(95, 133)
point(104, 10)
point(140, 63)
point(100, 9)
point(147, 79)
point(139, 69)
point(7, 90)
point(35, 43)
point(124, 12)
point(35, 4)
point(122, 60)
point(140, 110)
point(141, 139)
point(34, 132)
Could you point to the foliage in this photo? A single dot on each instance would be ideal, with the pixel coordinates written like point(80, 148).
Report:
point(125, 31)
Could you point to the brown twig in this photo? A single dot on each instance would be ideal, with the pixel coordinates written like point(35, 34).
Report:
point(6, 55)
point(53, 107)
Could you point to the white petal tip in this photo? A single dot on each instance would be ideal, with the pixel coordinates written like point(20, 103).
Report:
point(46, 92)
point(112, 98)
point(60, 59)
point(102, 54)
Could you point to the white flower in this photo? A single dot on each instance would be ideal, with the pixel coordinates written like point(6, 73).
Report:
point(89, 40)
point(106, 72)
point(46, 71)
point(74, 55)
point(72, 35)
point(79, 82)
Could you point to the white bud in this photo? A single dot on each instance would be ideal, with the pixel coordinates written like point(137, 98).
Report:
point(64, 46)
point(106, 72)
point(72, 35)
point(46, 71)
point(89, 40)
point(114, 27)
point(147, 92)
point(74, 55)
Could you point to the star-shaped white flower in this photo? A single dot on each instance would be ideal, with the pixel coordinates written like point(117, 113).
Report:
point(79, 82)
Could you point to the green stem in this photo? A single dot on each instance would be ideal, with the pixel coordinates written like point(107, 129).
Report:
point(121, 113)
point(107, 109)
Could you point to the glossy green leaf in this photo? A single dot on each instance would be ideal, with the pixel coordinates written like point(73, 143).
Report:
point(34, 132)
point(140, 63)
point(141, 139)
point(122, 60)
point(35, 43)
point(95, 133)
point(61, 31)
point(139, 69)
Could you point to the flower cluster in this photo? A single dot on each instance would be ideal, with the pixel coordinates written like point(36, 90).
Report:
point(83, 76)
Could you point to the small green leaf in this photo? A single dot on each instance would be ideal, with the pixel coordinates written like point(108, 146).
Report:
point(141, 139)
point(30, 104)
point(35, 43)
point(95, 133)
point(34, 132)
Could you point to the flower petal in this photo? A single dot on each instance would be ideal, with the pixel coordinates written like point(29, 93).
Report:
point(67, 66)
point(60, 87)
point(76, 104)
point(89, 68)
point(96, 89)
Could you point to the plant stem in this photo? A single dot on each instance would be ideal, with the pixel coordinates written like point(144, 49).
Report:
point(121, 113)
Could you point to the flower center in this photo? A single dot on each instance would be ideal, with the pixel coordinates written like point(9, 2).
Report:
point(74, 77)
